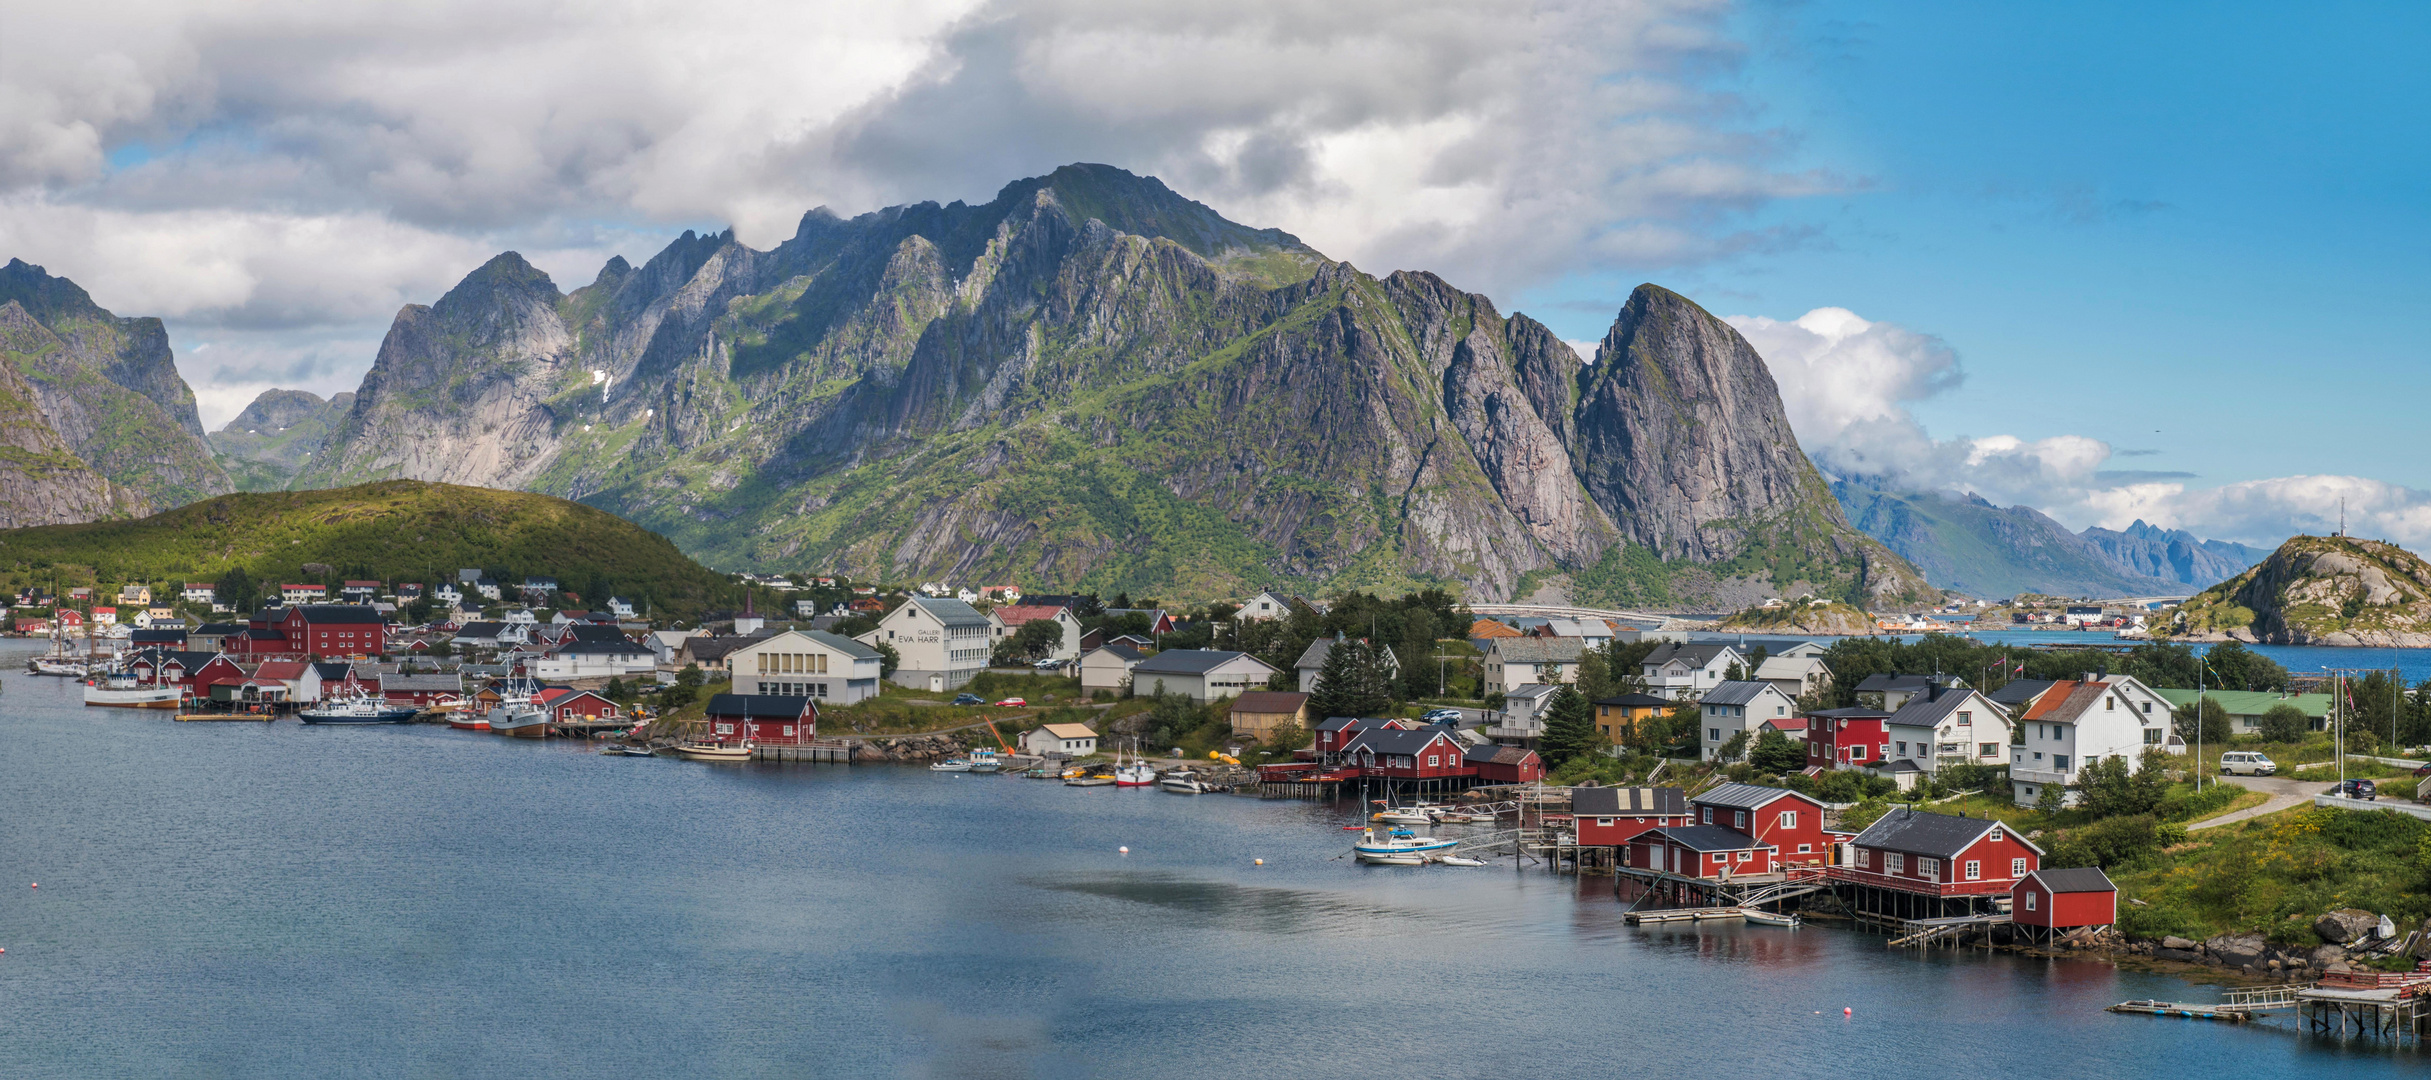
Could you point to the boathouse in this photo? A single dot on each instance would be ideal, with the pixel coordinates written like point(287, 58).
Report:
point(568, 706)
point(770, 719)
point(1790, 822)
point(421, 691)
point(1912, 864)
point(1699, 851)
point(1613, 816)
point(1428, 759)
point(2055, 900)
point(1506, 764)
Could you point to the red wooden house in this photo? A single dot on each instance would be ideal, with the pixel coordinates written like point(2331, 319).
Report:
point(773, 719)
point(566, 705)
point(1506, 764)
point(70, 619)
point(219, 670)
point(1612, 816)
point(1791, 823)
point(311, 631)
point(1334, 735)
point(1928, 854)
point(1429, 753)
point(1846, 738)
point(2064, 899)
point(1698, 851)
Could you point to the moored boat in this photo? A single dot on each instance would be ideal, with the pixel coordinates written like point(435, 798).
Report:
point(1395, 845)
point(1090, 781)
point(522, 723)
point(123, 690)
point(712, 751)
point(1769, 918)
point(621, 750)
point(1182, 784)
point(469, 721)
point(1403, 817)
point(356, 708)
point(985, 761)
point(952, 764)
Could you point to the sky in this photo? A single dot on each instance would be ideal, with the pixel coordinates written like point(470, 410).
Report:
point(2156, 261)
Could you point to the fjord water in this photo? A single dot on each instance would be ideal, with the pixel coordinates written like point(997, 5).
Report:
point(253, 900)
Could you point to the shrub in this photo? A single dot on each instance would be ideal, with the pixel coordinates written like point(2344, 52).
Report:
point(2119, 843)
point(2284, 723)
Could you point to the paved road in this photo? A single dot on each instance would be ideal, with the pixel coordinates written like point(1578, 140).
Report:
point(2284, 792)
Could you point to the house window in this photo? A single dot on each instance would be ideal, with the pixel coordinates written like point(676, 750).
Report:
point(1995, 834)
point(2152, 735)
point(1903, 748)
point(2017, 868)
point(1709, 815)
point(1856, 753)
point(1929, 869)
point(1431, 761)
point(1987, 749)
point(725, 729)
point(1965, 718)
point(1975, 870)
point(1713, 734)
point(2029, 899)
point(1747, 856)
point(1604, 821)
point(1805, 848)
point(2060, 762)
point(1898, 863)
point(2110, 704)
point(1789, 819)
point(1738, 819)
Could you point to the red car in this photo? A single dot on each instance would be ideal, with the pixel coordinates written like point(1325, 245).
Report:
point(1013, 703)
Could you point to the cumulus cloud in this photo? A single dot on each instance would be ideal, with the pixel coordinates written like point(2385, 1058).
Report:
point(1849, 384)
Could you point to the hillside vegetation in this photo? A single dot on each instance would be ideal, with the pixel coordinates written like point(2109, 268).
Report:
point(2320, 590)
point(396, 530)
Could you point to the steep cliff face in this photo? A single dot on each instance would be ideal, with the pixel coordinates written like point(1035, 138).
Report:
point(2320, 590)
point(277, 435)
point(110, 387)
point(42, 481)
point(1987, 551)
point(1093, 381)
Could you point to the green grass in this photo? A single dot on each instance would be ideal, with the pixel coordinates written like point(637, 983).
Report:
point(2275, 874)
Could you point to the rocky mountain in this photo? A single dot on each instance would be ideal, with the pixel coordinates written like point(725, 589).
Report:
point(42, 481)
point(1971, 546)
point(1093, 381)
point(109, 387)
point(2174, 554)
point(275, 437)
point(2320, 590)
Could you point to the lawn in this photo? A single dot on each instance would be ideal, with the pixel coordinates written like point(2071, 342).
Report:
point(2273, 875)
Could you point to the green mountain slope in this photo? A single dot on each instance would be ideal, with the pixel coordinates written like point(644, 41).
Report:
point(2320, 590)
point(277, 436)
point(399, 530)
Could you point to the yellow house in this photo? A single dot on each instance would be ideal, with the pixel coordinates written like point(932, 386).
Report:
point(1617, 717)
point(135, 596)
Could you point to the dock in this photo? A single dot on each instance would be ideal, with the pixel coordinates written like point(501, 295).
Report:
point(2189, 1012)
point(824, 751)
point(1664, 915)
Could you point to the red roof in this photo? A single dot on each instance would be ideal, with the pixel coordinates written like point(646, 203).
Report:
point(281, 670)
point(551, 694)
point(1017, 614)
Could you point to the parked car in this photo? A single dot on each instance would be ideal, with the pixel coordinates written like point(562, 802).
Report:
point(969, 699)
point(1014, 703)
point(2247, 763)
point(2422, 770)
point(1441, 716)
point(2364, 790)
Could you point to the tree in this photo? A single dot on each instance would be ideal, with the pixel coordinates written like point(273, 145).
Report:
point(1775, 753)
point(2285, 723)
point(888, 659)
point(615, 690)
point(1733, 749)
point(2106, 788)
point(2053, 799)
point(1352, 682)
point(235, 589)
point(2211, 729)
point(1736, 672)
point(1569, 727)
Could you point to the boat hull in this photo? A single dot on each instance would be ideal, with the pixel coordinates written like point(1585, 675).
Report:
point(524, 731)
point(713, 753)
point(398, 716)
point(477, 723)
point(167, 698)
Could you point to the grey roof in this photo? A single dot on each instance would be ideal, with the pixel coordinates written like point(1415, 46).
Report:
point(449, 683)
point(1503, 755)
point(1337, 723)
point(2077, 880)
point(219, 629)
point(1531, 690)
point(1394, 740)
point(2020, 692)
point(1746, 796)
point(480, 629)
point(1709, 838)
point(1314, 656)
point(1854, 712)
point(333, 672)
point(1921, 832)
point(1931, 707)
point(1126, 652)
point(714, 648)
point(841, 644)
point(1738, 693)
point(1695, 654)
point(1189, 662)
point(338, 613)
point(1881, 681)
point(1628, 802)
point(1539, 650)
point(748, 706)
point(948, 612)
point(1641, 700)
point(594, 632)
point(618, 647)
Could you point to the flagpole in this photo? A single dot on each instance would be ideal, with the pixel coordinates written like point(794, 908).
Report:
point(2199, 669)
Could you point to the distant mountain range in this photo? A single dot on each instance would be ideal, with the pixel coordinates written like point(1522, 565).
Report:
point(1968, 545)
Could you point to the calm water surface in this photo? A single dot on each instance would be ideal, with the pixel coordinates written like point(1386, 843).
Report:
point(251, 900)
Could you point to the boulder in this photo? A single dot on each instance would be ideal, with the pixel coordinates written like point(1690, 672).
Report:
point(2178, 943)
point(2345, 925)
point(2183, 956)
point(2324, 956)
point(2238, 950)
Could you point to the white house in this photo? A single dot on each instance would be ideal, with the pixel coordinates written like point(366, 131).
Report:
point(1067, 740)
point(943, 643)
point(594, 660)
point(1732, 707)
point(2079, 722)
point(1795, 675)
point(200, 592)
point(666, 644)
point(1523, 713)
point(520, 617)
point(491, 635)
point(806, 663)
point(1595, 632)
point(1265, 605)
point(1312, 662)
point(1687, 671)
point(1203, 675)
point(1006, 620)
point(447, 593)
point(1514, 662)
point(1108, 667)
point(1948, 725)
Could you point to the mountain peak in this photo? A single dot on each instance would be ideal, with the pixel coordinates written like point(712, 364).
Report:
point(505, 273)
point(1142, 206)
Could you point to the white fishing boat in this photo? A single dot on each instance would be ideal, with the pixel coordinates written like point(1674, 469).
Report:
point(1182, 784)
point(62, 667)
point(356, 707)
point(1394, 846)
point(1459, 860)
point(952, 764)
point(985, 761)
point(121, 689)
point(1404, 816)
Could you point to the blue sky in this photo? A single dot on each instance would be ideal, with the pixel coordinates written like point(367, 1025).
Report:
point(2191, 228)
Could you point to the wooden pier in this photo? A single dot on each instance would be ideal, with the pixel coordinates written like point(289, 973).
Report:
point(1702, 914)
point(824, 751)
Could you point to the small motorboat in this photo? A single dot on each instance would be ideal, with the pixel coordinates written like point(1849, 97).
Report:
point(712, 751)
point(1403, 817)
point(1398, 843)
point(952, 764)
point(1769, 918)
point(1182, 783)
point(630, 751)
point(1395, 858)
point(467, 721)
point(1090, 781)
point(1459, 860)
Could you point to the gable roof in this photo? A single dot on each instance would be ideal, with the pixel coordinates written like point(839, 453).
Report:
point(1748, 796)
point(1393, 740)
point(618, 647)
point(219, 629)
point(946, 612)
point(480, 629)
point(1017, 614)
point(2067, 700)
point(594, 632)
point(1530, 690)
point(1788, 667)
point(449, 683)
point(2086, 879)
point(1743, 692)
point(1707, 838)
point(1922, 832)
point(1270, 701)
point(842, 644)
point(1931, 707)
point(1068, 731)
point(333, 671)
point(1538, 650)
point(753, 706)
point(2019, 692)
point(1490, 628)
point(338, 613)
point(1854, 712)
point(281, 670)
point(1881, 681)
point(1337, 723)
point(1122, 652)
point(1191, 662)
point(1314, 656)
point(1499, 755)
point(1642, 701)
point(1694, 654)
point(1628, 802)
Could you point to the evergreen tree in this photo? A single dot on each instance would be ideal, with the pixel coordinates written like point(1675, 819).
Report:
point(1353, 681)
point(1569, 727)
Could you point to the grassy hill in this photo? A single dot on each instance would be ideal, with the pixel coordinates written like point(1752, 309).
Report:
point(396, 530)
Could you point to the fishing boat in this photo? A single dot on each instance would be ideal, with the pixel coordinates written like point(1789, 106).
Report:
point(952, 764)
point(712, 751)
point(1769, 918)
point(1182, 783)
point(61, 666)
point(985, 761)
point(123, 690)
point(469, 721)
point(356, 708)
point(520, 721)
point(1396, 844)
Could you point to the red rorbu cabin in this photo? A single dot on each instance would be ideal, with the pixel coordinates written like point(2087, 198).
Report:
point(1915, 862)
point(1790, 822)
point(1506, 764)
point(770, 719)
point(1390, 752)
point(1698, 851)
point(1612, 816)
point(2064, 899)
point(569, 705)
point(1846, 738)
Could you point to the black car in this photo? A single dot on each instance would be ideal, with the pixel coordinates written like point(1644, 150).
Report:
point(2358, 789)
point(970, 699)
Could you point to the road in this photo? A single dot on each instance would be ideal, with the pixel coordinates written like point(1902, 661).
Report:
point(2284, 792)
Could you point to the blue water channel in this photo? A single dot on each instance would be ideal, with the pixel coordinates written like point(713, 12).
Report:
point(275, 900)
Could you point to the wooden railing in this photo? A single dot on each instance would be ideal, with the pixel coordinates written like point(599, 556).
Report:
point(1994, 887)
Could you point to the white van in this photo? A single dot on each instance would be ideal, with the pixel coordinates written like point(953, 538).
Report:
point(2247, 763)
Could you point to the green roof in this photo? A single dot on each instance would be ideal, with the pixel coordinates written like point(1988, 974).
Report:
point(2249, 702)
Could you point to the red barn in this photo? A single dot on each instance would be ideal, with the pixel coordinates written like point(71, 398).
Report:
point(566, 705)
point(2064, 899)
point(1612, 816)
point(1506, 764)
point(1429, 753)
point(1937, 855)
point(1846, 738)
point(773, 719)
point(1789, 822)
point(1698, 851)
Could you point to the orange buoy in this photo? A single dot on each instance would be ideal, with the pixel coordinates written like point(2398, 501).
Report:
point(1846, 1011)
point(1260, 862)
